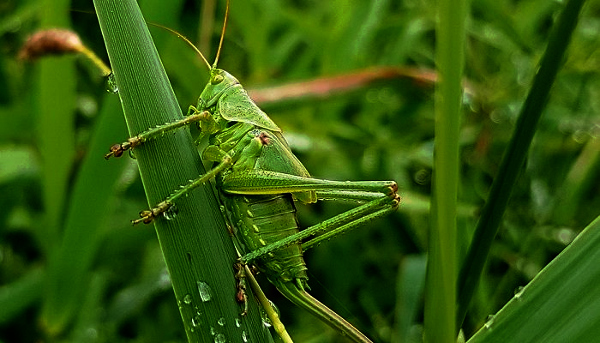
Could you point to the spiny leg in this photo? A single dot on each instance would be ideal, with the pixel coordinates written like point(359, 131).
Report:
point(244, 147)
point(147, 216)
point(193, 116)
point(380, 197)
point(351, 219)
point(333, 230)
point(262, 182)
point(332, 226)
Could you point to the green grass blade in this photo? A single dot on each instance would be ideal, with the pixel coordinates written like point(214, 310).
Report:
point(409, 292)
point(515, 155)
point(440, 297)
point(579, 180)
point(196, 245)
point(55, 124)
point(17, 296)
point(68, 277)
point(561, 304)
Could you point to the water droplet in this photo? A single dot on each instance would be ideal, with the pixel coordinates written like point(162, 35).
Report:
point(275, 308)
point(187, 299)
point(489, 322)
point(265, 318)
point(212, 331)
point(221, 321)
point(171, 213)
point(220, 338)
point(111, 84)
point(238, 322)
point(205, 291)
point(244, 337)
point(519, 292)
point(196, 321)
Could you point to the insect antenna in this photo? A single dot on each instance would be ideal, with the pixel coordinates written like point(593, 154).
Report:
point(185, 40)
point(222, 34)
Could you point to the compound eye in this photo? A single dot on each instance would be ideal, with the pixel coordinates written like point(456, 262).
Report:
point(216, 79)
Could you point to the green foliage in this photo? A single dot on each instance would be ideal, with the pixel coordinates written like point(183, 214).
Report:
point(56, 122)
point(201, 274)
point(442, 265)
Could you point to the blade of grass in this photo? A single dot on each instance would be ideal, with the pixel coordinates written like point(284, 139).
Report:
point(581, 177)
point(410, 284)
point(561, 304)
point(440, 298)
point(68, 277)
point(515, 155)
point(55, 125)
point(18, 295)
point(196, 246)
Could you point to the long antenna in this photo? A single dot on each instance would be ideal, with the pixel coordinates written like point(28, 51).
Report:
point(222, 34)
point(186, 40)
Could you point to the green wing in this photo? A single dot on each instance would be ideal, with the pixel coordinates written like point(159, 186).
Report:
point(236, 105)
point(276, 156)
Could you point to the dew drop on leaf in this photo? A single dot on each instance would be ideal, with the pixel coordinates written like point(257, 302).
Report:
point(220, 338)
point(171, 213)
point(187, 299)
point(111, 84)
point(204, 291)
point(196, 321)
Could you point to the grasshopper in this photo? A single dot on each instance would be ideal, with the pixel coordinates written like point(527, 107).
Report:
point(258, 178)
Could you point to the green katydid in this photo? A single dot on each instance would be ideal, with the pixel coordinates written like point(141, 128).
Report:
point(257, 179)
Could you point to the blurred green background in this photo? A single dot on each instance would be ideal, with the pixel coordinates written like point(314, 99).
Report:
point(57, 120)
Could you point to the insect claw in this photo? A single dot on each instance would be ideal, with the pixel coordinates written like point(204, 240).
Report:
point(395, 201)
point(391, 188)
point(146, 217)
point(394, 187)
point(117, 150)
point(394, 195)
point(137, 221)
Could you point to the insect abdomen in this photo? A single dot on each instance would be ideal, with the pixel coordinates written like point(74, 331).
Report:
point(262, 220)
